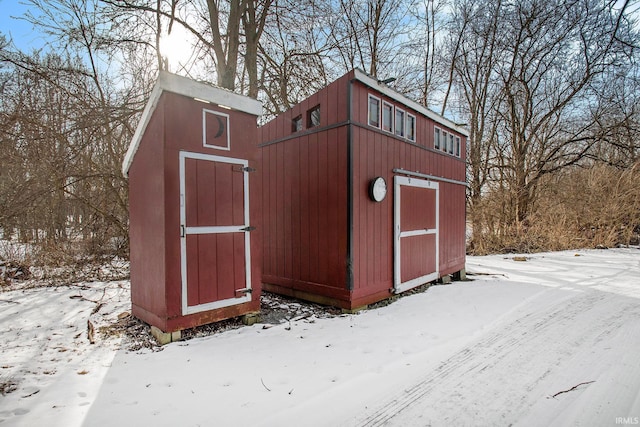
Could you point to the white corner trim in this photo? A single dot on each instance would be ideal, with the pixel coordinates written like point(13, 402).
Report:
point(142, 126)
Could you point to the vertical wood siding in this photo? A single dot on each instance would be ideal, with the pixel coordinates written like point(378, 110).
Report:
point(304, 213)
point(305, 195)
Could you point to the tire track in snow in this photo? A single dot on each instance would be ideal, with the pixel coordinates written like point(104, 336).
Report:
point(530, 349)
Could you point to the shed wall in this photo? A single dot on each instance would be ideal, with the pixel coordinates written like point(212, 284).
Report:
point(452, 228)
point(308, 239)
point(184, 133)
point(304, 211)
point(177, 125)
point(147, 220)
point(378, 153)
point(304, 176)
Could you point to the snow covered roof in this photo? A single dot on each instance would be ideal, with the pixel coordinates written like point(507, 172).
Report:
point(184, 86)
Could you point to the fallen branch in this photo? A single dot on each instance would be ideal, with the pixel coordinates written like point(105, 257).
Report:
point(31, 394)
point(478, 273)
point(90, 332)
point(104, 291)
point(97, 307)
point(268, 389)
point(572, 388)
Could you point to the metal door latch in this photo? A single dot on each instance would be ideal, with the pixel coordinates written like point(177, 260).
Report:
point(244, 291)
point(240, 168)
point(248, 228)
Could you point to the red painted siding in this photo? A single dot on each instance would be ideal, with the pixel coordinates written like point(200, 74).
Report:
point(452, 228)
point(306, 176)
point(147, 221)
point(305, 209)
point(417, 257)
point(378, 155)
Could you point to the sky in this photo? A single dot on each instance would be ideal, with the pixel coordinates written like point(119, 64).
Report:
point(19, 30)
point(175, 46)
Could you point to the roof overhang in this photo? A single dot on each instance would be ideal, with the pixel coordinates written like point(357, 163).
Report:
point(366, 79)
point(168, 82)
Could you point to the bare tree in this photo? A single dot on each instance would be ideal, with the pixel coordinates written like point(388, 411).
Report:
point(291, 54)
point(533, 80)
point(474, 56)
point(430, 18)
point(556, 50)
point(70, 123)
point(618, 123)
point(368, 34)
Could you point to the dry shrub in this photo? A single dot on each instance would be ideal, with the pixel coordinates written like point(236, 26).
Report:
point(599, 206)
point(578, 208)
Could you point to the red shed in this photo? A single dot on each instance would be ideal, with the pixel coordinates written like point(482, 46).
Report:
point(363, 195)
point(193, 206)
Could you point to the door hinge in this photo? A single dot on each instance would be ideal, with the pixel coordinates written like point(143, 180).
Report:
point(182, 233)
point(240, 168)
point(248, 228)
point(244, 291)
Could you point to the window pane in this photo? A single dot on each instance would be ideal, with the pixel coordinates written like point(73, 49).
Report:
point(443, 145)
point(436, 139)
point(374, 111)
point(387, 117)
point(411, 127)
point(458, 146)
point(296, 124)
point(313, 117)
point(399, 122)
point(451, 143)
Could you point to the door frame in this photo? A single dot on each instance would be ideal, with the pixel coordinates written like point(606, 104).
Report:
point(398, 285)
point(185, 231)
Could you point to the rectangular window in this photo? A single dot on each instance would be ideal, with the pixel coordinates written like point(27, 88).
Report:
point(443, 142)
point(436, 138)
point(457, 146)
point(296, 124)
point(399, 122)
point(374, 111)
point(313, 117)
point(411, 127)
point(387, 117)
point(215, 130)
point(451, 143)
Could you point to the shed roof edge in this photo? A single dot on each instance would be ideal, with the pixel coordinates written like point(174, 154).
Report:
point(363, 77)
point(180, 85)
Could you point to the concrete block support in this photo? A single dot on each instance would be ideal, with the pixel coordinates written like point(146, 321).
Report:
point(460, 275)
point(164, 338)
point(250, 318)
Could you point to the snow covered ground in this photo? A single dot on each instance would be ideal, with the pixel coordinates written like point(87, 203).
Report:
point(553, 340)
